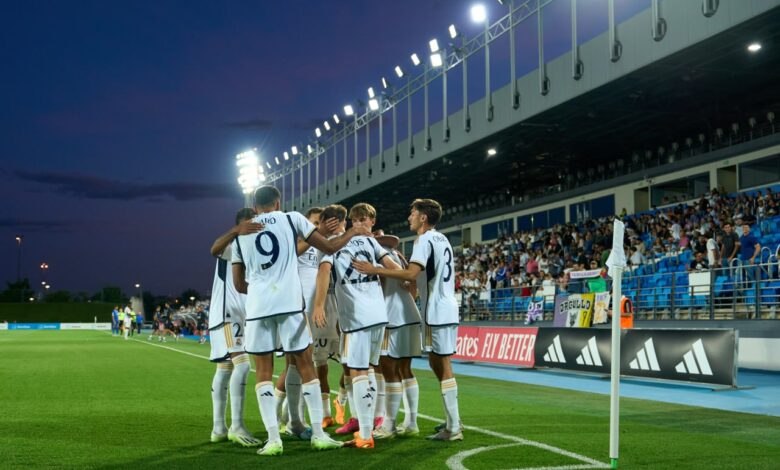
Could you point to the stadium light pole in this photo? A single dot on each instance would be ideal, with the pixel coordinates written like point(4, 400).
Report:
point(18, 258)
point(479, 15)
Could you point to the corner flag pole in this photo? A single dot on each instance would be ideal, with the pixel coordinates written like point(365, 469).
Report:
point(616, 263)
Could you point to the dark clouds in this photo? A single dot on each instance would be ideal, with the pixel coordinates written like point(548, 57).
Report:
point(94, 187)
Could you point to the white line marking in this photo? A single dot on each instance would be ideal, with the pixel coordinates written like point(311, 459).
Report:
point(589, 463)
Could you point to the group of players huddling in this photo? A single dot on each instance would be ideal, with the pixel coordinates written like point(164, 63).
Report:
point(316, 290)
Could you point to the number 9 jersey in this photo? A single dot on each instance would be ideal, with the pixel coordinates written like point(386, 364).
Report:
point(436, 283)
point(271, 264)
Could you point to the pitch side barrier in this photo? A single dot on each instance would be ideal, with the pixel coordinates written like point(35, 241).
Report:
point(55, 326)
point(706, 356)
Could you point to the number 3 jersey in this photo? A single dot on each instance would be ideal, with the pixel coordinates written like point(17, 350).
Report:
point(436, 283)
point(271, 264)
point(227, 304)
point(361, 303)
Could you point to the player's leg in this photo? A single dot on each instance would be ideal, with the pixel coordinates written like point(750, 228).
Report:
point(296, 341)
point(280, 394)
point(234, 334)
point(261, 343)
point(293, 385)
point(411, 396)
point(377, 385)
point(442, 342)
point(320, 360)
point(219, 392)
point(394, 391)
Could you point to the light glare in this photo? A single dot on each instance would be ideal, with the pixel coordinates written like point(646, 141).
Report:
point(384, 83)
point(294, 150)
point(754, 47)
point(373, 104)
point(491, 152)
point(371, 92)
point(453, 31)
point(348, 111)
point(336, 118)
point(436, 60)
point(286, 156)
point(478, 13)
point(415, 60)
point(326, 125)
point(399, 71)
point(434, 45)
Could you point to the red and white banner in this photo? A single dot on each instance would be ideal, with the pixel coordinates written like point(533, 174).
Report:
point(507, 345)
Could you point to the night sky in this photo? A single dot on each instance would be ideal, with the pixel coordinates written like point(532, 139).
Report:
point(119, 120)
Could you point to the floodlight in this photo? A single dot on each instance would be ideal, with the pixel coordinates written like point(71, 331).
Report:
point(373, 104)
point(754, 47)
point(371, 93)
point(399, 71)
point(478, 13)
point(309, 149)
point(268, 164)
point(336, 118)
point(277, 160)
point(453, 31)
point(348, 110)
point(326, 125)
point(286, 156)
point(318, 132)
point(415, 60)
point(434, 45)
point(294, 150)
point(491, 152)
point(436, 60)
point(384, 83)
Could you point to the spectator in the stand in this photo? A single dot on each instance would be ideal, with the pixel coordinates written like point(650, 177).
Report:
point(501, 275)
point(698, 263)
point(635, 258)
point(729, 244)
point(531, 267)
point(749, 246)
point(472, 288)
point(713, 253)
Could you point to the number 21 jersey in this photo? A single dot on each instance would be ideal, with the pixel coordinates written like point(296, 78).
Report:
point(272, 264)
point(436, 283)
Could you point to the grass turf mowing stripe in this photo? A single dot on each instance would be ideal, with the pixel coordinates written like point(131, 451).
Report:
point(457, 463)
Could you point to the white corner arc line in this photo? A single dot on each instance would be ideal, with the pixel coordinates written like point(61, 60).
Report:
point(591, 463)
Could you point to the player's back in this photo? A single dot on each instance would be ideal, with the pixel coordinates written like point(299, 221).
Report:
point(270, 260)
point(401, 308)
point(436, 283)
point(360, 298)
point(308, 263)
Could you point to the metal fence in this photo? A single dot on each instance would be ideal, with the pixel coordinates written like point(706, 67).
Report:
point(738, 291)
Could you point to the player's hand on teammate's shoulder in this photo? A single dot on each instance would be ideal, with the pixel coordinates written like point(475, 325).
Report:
point(364, 267)
point(245, 227)
point(358, 230)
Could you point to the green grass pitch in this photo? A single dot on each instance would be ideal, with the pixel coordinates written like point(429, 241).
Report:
point(89, 400)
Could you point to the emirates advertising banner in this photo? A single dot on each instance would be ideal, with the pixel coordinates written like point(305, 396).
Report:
point(507, 345)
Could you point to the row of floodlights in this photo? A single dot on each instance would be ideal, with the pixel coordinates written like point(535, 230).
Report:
point(478, 15)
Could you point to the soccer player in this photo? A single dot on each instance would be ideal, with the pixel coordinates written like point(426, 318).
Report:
point(128, 321)
point(362, 316)
point(115, 321)
point(402, 342)
point(326, 339)
point(265, 268)
point(226, 324)
point(432, 267)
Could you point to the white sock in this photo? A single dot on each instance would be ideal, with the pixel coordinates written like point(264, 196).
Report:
point(395, 392)
point(350, 395)
point(293, 385)
point(363, 399)
point(379, 406)
point(412, 394)
point(238, 390)
point(449, 392)
point(281, 401)
point(266, 402)
point(219, 392)
point(313, 399)
point(325, 405)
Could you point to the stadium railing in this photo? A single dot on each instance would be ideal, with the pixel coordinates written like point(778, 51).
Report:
point(734, 292)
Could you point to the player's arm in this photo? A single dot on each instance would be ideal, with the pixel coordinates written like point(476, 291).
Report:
point(333, 245)
point(239, 278)
point(326, 229)
point(243, 228)
point(321, 291)
point(408, 274)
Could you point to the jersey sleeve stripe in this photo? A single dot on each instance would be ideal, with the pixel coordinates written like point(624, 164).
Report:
point(417, 263)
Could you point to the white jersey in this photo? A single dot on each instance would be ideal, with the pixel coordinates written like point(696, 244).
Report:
point(307, 270)
point(227, 304)
point(436, 283)
point(271, 264)
point(361, 303)
point(401, 308)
